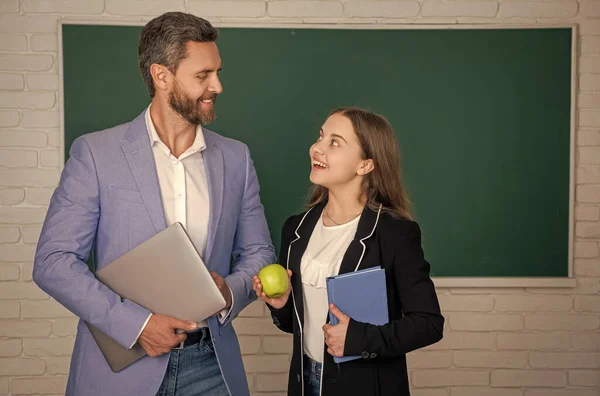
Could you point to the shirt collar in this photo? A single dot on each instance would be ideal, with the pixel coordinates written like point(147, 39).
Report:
point(198, 145)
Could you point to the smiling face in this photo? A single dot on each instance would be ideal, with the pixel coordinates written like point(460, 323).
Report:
point(337, 159)
point(196, 84)
point(364, 165)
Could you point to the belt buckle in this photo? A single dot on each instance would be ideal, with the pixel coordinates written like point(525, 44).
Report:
point(180, 346)
point(182, 343)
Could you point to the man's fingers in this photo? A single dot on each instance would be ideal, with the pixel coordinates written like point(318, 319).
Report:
point(151, 349)
point(183, 324)
point(180, 337)
point(220, 282)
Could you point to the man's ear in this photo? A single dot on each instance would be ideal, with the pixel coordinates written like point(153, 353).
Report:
point(366, 167)
point(160, 75)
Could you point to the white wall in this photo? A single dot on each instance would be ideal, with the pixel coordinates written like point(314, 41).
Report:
point(498, 342)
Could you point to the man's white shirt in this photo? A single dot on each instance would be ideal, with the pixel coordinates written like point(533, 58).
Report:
point(184, 192)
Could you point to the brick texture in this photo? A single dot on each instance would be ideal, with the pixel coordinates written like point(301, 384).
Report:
point(497, 342)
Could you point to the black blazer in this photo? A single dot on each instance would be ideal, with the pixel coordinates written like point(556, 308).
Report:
point(415, 318)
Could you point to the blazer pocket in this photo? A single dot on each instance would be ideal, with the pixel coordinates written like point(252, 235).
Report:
point(127, 195)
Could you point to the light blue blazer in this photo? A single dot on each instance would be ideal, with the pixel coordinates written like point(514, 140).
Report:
point(109, 199)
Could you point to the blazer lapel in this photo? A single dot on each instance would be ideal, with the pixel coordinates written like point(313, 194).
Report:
point(353, 256)
point(356, 251)
point(215, 174)
point(296, 251)
point(302, 236)
point(138, 153)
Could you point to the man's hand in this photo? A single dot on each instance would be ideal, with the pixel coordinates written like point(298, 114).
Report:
point(335, 336)
point(159, 335)
point(223, 288)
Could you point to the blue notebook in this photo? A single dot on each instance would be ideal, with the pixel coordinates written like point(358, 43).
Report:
point(361, 295)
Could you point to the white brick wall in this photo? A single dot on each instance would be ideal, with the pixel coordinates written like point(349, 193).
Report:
point(209, 9)
point(498, 342)
point(381, 8)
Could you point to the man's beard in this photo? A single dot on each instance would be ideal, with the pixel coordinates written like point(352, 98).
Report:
point(191, 109)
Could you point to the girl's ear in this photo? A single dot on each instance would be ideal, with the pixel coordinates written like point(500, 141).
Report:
point(366, 167)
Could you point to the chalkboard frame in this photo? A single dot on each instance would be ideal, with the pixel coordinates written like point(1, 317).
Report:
point(440, 282)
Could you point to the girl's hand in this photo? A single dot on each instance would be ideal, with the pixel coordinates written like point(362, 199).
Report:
point(278, 302)
point(335, 336)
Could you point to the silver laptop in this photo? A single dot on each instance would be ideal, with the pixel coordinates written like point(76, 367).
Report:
point(165, 275)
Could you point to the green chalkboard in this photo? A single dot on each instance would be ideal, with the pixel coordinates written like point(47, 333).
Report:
point(482, 117)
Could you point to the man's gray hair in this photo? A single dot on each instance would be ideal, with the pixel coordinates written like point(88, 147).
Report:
point(163, 41)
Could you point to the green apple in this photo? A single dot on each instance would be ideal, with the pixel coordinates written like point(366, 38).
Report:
point(274, 279)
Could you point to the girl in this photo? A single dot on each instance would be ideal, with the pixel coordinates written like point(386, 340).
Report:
point(358, 217)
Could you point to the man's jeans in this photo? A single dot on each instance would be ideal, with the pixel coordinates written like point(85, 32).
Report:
point(194, 371)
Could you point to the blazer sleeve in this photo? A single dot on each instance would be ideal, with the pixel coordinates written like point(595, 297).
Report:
point(283, 317)
point(65, 242)
point(422, 322)
point(252, 248)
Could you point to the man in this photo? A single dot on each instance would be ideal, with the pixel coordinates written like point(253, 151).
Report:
point(123, 185)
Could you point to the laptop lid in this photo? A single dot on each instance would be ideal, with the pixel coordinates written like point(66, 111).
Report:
point(165, 275)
